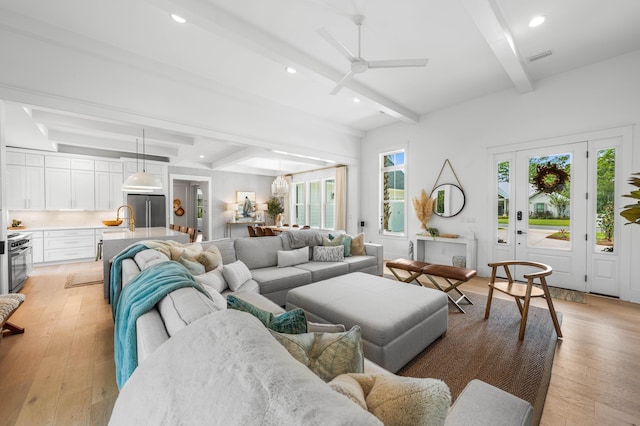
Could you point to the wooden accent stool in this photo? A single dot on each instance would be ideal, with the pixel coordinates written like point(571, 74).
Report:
point(9, 303)
point(453, 276)
point(521, 291)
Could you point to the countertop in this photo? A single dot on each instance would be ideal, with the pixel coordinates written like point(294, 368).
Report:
point(145, 233)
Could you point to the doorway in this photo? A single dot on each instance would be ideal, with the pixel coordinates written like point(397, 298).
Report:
point(190, 196)
point(558, 205)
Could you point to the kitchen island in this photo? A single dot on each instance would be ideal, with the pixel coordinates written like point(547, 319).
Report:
point(113, 242)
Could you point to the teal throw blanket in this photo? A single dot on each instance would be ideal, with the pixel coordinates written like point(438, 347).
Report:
point(137, 298)
point(116, 272)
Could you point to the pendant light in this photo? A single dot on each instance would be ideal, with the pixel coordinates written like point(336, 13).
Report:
point(141, 181)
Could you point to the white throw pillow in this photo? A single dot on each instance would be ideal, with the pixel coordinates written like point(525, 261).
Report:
point(218, 300)
point(149, 257)
point(236, 274)
point(214, 279)
point(293, 257)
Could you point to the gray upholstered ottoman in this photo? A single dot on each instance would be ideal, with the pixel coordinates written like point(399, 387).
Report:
point(398, 320)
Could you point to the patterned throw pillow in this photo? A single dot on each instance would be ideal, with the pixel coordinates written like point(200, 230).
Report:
point(357, 245)
point(326, 354)
point(395, 399)
point(291, 322)
point(342, 239)
point(328, 253)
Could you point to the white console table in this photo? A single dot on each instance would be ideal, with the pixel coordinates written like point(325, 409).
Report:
point(441, 250)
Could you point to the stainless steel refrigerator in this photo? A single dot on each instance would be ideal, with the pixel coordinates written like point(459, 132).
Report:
point(148, 210)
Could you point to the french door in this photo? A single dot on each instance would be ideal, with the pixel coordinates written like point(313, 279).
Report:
point(551, 206)
point(556, 205)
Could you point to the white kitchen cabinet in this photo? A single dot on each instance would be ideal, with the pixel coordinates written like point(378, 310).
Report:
point(37, 243)
point(82, 190)
point(25, 181)
point(69, 245)
point(108, 184)
point(57, 189)
point(69, 183)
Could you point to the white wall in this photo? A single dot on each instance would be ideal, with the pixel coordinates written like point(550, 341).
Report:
point(600, 96)
point(223, 188)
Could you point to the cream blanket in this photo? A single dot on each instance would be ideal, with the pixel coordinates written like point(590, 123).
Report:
point(226, 369)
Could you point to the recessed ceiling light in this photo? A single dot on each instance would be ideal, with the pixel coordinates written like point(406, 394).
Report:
point(538, 20)
point(356, 100)
point(178, 19)
point(291, 70)
point(201, 156)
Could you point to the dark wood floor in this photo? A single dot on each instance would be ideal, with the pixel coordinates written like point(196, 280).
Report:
point(61, 370)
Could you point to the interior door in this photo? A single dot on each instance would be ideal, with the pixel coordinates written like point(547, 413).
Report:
point(551, 211)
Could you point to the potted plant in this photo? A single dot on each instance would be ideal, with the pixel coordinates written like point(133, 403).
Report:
point(274, 208)
point(631, 212)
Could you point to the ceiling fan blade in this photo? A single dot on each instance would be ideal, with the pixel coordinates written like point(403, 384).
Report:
point(336, 44)
point(397, 63)
point(342, 82)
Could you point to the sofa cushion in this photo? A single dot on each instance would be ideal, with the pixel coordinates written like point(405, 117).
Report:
point(149, 257)
point(190, 251)
point(358, 263)
point(324, 270)
point(258, 252)
point(397, 400)
point(328, 254)
point(293, 257)
point(214, 279)
point(226, 248)
point(236, 274)
point(275, 279)
point(183, 306)
point(292, 322)
point(327, 354)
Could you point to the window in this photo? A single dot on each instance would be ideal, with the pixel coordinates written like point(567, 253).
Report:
point(605, 199)
point(329, 203)
point(315, 199)
point(314, 203)
point(392, 174)
point(300, 204)
point(503, 202)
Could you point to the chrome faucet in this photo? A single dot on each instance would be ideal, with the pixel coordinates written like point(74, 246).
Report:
point(132, 224)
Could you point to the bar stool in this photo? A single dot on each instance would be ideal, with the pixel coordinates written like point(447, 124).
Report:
point(99, 250)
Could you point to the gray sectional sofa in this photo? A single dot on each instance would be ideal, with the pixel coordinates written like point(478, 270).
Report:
point(200, 363)
point(260, 255)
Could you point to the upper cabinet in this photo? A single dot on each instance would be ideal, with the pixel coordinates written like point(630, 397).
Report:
point(25, 181)
point(51, 181)
point(69, 183)
point(108, 184)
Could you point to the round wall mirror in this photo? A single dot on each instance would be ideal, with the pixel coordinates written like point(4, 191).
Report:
point(449, 199)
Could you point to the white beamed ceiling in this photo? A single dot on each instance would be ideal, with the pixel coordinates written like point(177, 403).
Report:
point(93, 74)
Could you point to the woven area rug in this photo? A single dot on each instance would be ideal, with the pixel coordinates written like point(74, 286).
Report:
point(489, 350)
point(83, 278)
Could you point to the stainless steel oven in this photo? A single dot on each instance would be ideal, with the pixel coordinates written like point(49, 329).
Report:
point(20, 252)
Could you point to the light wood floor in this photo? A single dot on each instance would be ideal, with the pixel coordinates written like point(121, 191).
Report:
point(61, 370)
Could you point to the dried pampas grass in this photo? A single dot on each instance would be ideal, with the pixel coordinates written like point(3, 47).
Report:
point(424, 208)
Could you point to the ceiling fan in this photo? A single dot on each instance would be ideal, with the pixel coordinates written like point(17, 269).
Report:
point(358, 63)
